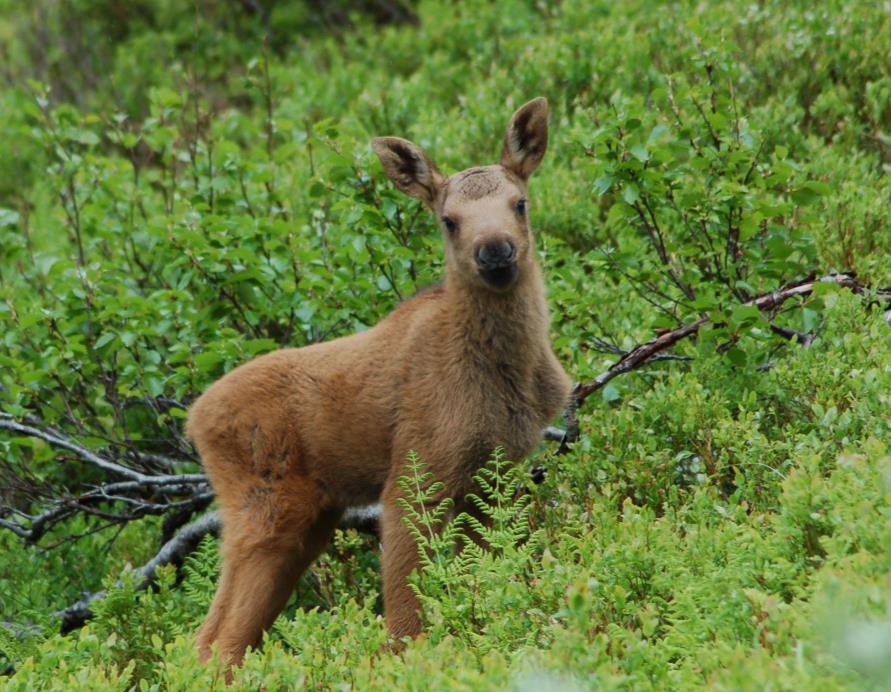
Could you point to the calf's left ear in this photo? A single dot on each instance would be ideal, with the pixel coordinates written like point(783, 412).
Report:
point(409, 167)
point(526, 138)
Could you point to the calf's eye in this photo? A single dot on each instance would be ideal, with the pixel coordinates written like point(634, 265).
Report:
point(450, 224)
point(521, 207)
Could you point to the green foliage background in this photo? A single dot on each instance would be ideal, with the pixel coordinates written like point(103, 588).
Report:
point(179, 193)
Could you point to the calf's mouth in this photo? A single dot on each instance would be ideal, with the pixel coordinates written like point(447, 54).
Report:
point(500, 276)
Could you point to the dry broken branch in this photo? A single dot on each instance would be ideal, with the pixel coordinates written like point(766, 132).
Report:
point(652, 350)
point(140, 493)
point(58, 439)
point(178, 548)
point(645, 353)
point(173, 552)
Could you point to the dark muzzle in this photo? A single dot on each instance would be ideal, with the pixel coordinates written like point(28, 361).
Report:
point(497, 262)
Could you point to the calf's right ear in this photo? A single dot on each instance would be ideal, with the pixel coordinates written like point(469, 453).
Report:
point(526, 138)
point(408, 166)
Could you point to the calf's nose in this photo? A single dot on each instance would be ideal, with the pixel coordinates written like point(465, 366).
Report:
point(495, 253)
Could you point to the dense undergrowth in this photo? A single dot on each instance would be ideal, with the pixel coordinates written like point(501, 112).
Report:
point(178, 194)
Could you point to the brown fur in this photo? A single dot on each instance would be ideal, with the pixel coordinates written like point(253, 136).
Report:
point(293, 437)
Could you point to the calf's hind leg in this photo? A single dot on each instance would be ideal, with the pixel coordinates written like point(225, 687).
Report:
point(267, 544)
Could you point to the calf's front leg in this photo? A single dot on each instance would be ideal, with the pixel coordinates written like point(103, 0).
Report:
point(400, 557)
point(401, 553)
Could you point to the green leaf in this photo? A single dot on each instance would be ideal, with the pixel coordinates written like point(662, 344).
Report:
point(748, 228)
point(255, 346)
point(603, 184)
point(639, 151)
point(818, 187)
point(105, 338)
point(705, 301)
point(737, 356)
point(207, 360)
point(389, 208)
point(8, 217)
point(610, 393)
point(154, 386)
point(618, 212)
point(745, 315)
point(810, 319)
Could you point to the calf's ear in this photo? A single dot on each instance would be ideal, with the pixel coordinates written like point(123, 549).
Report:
point(409, 167)
point(526, 138)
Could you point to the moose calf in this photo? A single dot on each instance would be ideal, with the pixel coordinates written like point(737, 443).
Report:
point(292, 438)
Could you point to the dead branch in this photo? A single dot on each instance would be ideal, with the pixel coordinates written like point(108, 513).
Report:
point(552, 434)
point(58, 439)
point(142, 493)
point(183, 544)
point(644, 353)
point(637, 357)
point(652, 350)
point(604, 346)
point(171, 553)
point(803, 338)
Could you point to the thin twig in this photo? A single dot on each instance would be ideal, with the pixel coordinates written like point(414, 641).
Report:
point(644, 353)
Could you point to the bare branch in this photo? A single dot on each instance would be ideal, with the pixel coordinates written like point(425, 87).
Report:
point(651, 227)
point(57, 439)
point(142, 493)
point(183, 544)
point(16, 528)
point(552, 434)
point(637, 357)
point(604, 346)
point(644, 353)
point(173, 552)
point(803, 338)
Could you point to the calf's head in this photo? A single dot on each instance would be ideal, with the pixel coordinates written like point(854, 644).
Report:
point(483, 211)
